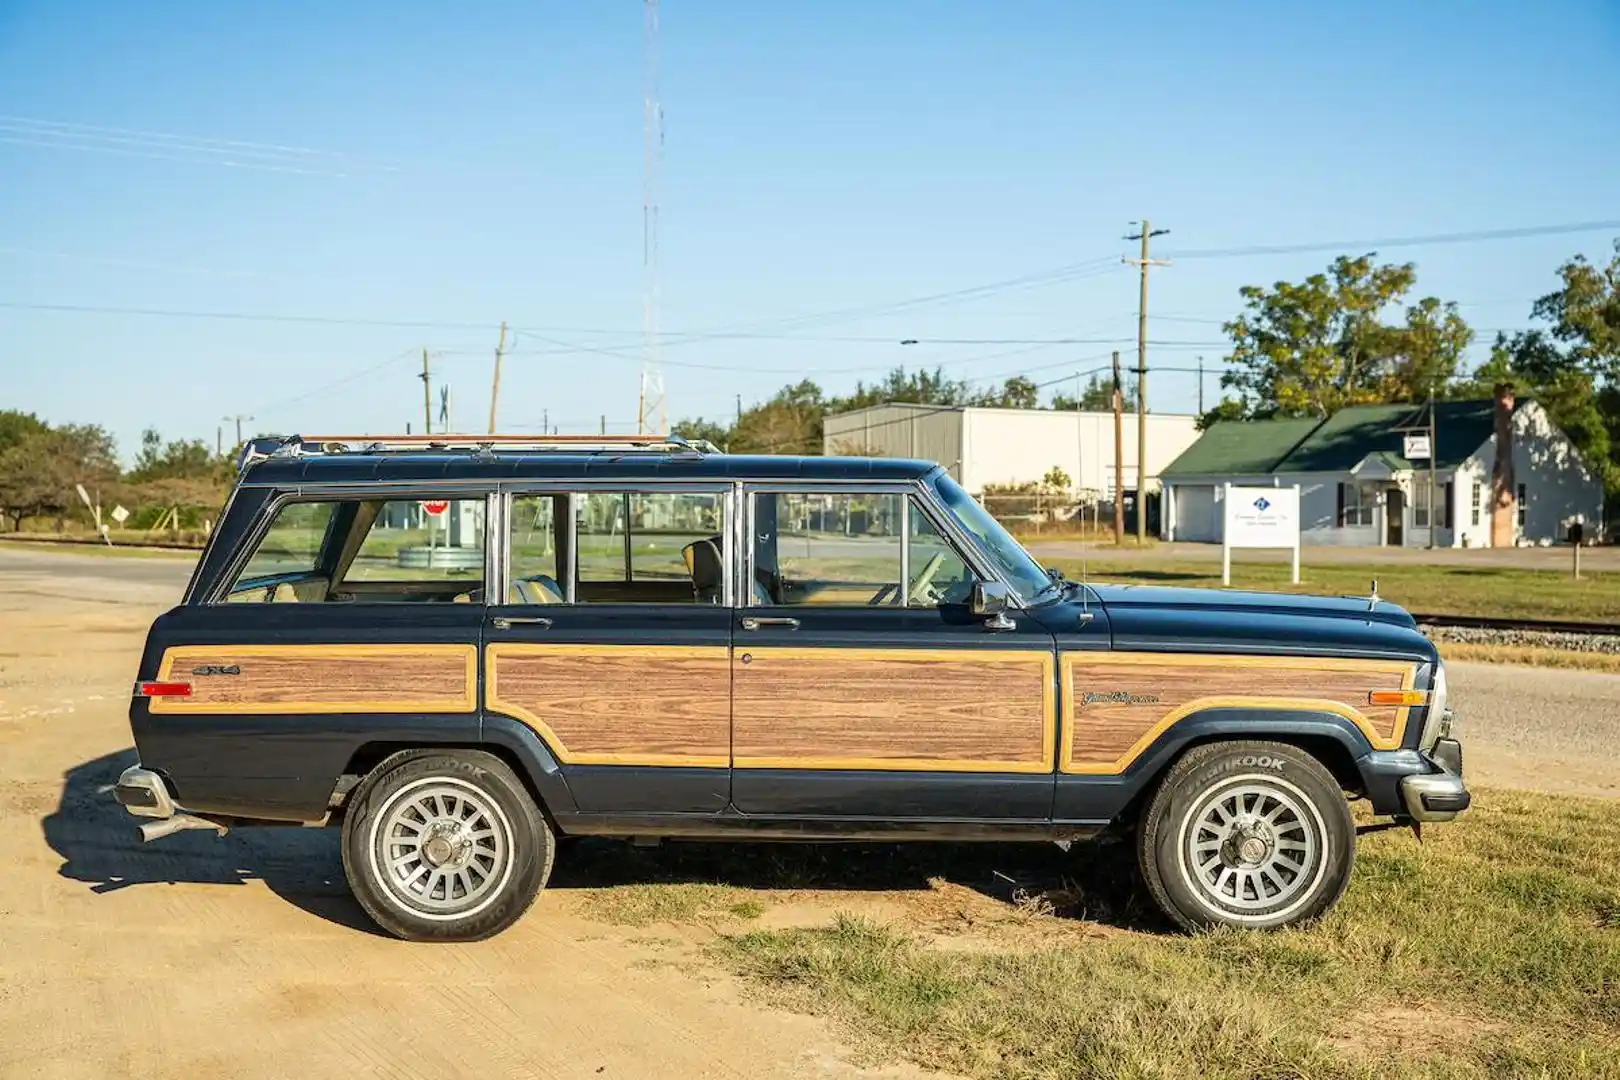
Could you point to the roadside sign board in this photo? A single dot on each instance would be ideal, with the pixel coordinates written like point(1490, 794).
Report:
point(119, 514)
point(435, 507)
point(1259, 517)
point(1415, 448)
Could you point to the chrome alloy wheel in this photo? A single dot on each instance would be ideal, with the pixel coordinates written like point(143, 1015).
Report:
point(1253, 847)
point(442, 848)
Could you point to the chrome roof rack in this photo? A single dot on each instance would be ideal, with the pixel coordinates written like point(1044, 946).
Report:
point(284, 446)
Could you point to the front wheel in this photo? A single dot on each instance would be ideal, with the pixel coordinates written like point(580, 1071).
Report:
point(1253, 834)
point(446, 847)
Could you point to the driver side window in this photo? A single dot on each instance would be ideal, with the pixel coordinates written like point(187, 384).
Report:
point(852, 549)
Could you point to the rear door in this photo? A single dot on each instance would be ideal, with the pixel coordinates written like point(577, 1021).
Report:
point(611, 640)
point(863, 687)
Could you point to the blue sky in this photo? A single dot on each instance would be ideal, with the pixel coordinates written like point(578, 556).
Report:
point(387, 164)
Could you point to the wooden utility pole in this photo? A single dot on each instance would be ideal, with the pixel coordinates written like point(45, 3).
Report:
point(1433, 514)
point(1119, 456)
point(1146, 233)
point(495, 384)
point(427, 396)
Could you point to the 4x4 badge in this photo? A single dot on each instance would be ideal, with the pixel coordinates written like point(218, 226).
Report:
point(217, 669)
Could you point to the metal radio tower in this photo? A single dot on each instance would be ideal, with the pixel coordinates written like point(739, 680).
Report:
point(650, 410)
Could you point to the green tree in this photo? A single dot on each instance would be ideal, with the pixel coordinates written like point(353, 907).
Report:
point(182, 459)
point(699, 428)
point(920, 387)
point(788, 423)
point(38, 473)
point(1585, 314)
point(1314, 347)
point(16, 426)
point(1229, 409)
point(1017, 392)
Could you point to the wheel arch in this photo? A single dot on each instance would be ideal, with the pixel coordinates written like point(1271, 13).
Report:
point(1331, 739)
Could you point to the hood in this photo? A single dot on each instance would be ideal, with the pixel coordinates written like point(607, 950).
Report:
point(1156, 617)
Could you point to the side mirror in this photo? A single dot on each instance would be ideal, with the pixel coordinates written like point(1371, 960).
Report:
point(990, 598)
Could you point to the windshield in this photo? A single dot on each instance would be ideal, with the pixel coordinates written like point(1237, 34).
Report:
point(1023, 573)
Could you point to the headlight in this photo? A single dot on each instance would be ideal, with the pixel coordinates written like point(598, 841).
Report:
point(1434, 716)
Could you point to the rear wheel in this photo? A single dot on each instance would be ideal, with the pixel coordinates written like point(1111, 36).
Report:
point(1254, 834)
point(446, 847)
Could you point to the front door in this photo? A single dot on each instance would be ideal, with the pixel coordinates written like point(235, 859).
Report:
point(863, 688)
point(612, 642)
point(1395, 518)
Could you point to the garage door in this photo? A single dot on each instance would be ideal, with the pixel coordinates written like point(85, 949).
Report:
point(1195, 513)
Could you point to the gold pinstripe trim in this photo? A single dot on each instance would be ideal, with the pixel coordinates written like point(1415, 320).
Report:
point(493, 702)
point(465, 701)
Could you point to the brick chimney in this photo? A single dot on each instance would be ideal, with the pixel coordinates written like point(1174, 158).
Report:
point(1504, 493)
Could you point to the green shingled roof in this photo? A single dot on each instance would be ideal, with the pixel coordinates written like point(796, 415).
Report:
point(1240, 447)
point(1336, 444)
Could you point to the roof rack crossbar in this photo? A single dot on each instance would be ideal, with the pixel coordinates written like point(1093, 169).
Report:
point(304, 445)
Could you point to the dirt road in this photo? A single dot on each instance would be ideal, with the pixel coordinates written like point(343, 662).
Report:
point(246, 958)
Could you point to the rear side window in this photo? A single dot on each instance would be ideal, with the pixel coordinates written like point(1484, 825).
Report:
point(292, 545)
point(420, 550)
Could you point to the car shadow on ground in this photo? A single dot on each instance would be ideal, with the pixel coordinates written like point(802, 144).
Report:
point(99, 844)
point(1094, 880)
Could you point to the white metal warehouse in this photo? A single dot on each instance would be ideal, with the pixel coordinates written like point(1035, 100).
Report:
point(982, 446)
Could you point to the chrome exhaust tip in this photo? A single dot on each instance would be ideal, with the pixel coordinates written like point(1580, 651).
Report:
point(157, 830)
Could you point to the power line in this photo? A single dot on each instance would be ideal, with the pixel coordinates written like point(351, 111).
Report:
point(1474, 236)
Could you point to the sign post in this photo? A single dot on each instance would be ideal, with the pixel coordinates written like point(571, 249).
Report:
point(1259, 517)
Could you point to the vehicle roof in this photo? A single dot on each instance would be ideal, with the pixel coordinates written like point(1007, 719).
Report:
point(363, 467)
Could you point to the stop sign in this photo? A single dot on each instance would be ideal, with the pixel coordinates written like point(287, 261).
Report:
point(436, 507)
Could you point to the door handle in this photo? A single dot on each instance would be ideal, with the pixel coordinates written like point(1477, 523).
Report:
point(506, 622)
point(755, 622)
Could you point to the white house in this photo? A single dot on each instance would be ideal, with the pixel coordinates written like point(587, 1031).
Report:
point(983, 446)
point(1503, 474)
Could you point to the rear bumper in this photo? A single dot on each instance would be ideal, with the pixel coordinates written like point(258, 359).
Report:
point(1439, 795)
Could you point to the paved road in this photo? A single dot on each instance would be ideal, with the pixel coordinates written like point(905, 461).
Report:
point(154, 569)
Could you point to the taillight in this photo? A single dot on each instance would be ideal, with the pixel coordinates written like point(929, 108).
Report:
point(155, 688)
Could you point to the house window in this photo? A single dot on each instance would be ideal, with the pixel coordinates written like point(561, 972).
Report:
point(1473, 505)
point(1421, 491)
point(1521, 505)
point(1356, 503)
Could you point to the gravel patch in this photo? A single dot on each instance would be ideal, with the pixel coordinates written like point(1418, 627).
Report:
point(1541, 639)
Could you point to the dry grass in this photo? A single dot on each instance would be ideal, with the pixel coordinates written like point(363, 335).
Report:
point(1490, 950)
point(1532, 656)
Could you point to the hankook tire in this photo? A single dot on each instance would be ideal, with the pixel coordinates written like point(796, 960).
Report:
point(1250, 834)
point(445, 846)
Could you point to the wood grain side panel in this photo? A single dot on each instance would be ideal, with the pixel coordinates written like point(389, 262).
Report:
point(1116, 704)
point(924, 709)
point(321, 679)
point(618, 704)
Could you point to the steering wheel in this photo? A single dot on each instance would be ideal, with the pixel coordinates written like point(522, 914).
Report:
point(923, 583)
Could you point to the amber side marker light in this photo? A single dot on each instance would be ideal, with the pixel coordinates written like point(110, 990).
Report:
point(162, 689)
point(1398, 697)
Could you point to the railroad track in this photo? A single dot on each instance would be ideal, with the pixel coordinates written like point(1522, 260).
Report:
point(1538, 626)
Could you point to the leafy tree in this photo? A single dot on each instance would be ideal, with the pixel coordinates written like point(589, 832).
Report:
point(788, 423)
point(1314, 347)
point(699, 428)
point(16, 426)
point(1017, 392)
point(1228, 409)
point(921, 387)
point(182, 459)
point(1585, 314)
point(38, 473)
